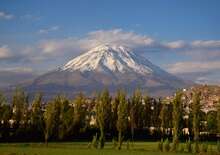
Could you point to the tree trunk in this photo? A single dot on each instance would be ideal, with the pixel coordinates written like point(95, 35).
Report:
point(102, 138)
point(119, 140)
point(46, 139)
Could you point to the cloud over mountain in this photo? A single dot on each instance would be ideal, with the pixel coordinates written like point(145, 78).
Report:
point(55, 51)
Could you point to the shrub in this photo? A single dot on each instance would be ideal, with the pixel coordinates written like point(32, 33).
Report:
point(196, 147)
point(174, 146)
point(114, 142)
point(189, 146)
point(218, 146)
point(182, 148)
point(210, 151)
point(128, 144)
point(160, 146)
point(101, 143)
point(89, 145)
point(167, 145)
point(94, 142)
point(204, 147)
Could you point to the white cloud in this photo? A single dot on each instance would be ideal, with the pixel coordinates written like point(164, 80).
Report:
point(5, 52)
point(118, 36)
point(176, 44)
point(206, 43)
point(17, 69)
point(193, 67)
point(129, 39)
point(7, 16)
point(58, 50)
point(50, 29)
point(96, 38)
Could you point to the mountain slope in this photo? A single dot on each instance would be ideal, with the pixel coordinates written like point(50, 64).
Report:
point(111, 67)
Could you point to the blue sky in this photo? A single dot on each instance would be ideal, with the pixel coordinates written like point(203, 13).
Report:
point(41, 35)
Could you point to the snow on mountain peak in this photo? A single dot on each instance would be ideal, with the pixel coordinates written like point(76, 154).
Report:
point(110, 59)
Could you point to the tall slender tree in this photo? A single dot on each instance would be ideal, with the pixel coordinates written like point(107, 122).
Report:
point(5, 116)
point(65, 118)
point(212, 124)
point(36, 119)
point(196, 107)
point(79, 114)
point(48, 121)
point(147, 111)
point(52, 119)
point(218, 116)
point(162, 117)
point(103, 113)
point(177, 117)
point(20, 111)
point(136, 112)
point(122, 121)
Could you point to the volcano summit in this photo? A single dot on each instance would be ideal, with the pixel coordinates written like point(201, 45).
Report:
point(107, 66)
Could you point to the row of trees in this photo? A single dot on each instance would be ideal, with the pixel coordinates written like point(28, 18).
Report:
point(119, 116)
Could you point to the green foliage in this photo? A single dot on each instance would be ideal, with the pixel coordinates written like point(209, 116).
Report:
point(118, 115)
point(101, 142)
point(20, 109)
point(160, 146)
point(218, 116)
point(136, 112)
point(49, 118)
point(196, 148)
point(2, 99)
point(128, 145)
point(218, 146)
point(177, 117)
point(65, 117)
point(103, 111)
point(114, 143)
point(79, 113)
point(210, 150)
point(166, 145)
point(196, 107)
point(182, 148)
point(212, 121)
point(5, 116)
point(36, 119)
point(166, 117)
point(189, 146)
point(204, 147)
point(95, 142)
point(122, 121)
point(89, 145)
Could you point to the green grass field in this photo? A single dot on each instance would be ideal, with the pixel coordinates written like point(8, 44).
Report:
point(77, 148)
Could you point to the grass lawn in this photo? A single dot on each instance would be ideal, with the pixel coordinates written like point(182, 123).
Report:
point(78, 148)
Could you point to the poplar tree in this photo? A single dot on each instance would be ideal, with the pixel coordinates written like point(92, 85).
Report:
point(49, 118)
point(177, 117)
point(65, 118)
point(79, 113)
point(103, 112)
point(20, 111)
point(122, 117)
point(218, 116)
point(136, 112)
point(162, 117)
point(36, 120)
point(5, 116)
point(196, 107)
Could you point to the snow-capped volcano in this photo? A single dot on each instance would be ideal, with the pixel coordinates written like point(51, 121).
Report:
point(107, 66)
point(108, 59)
